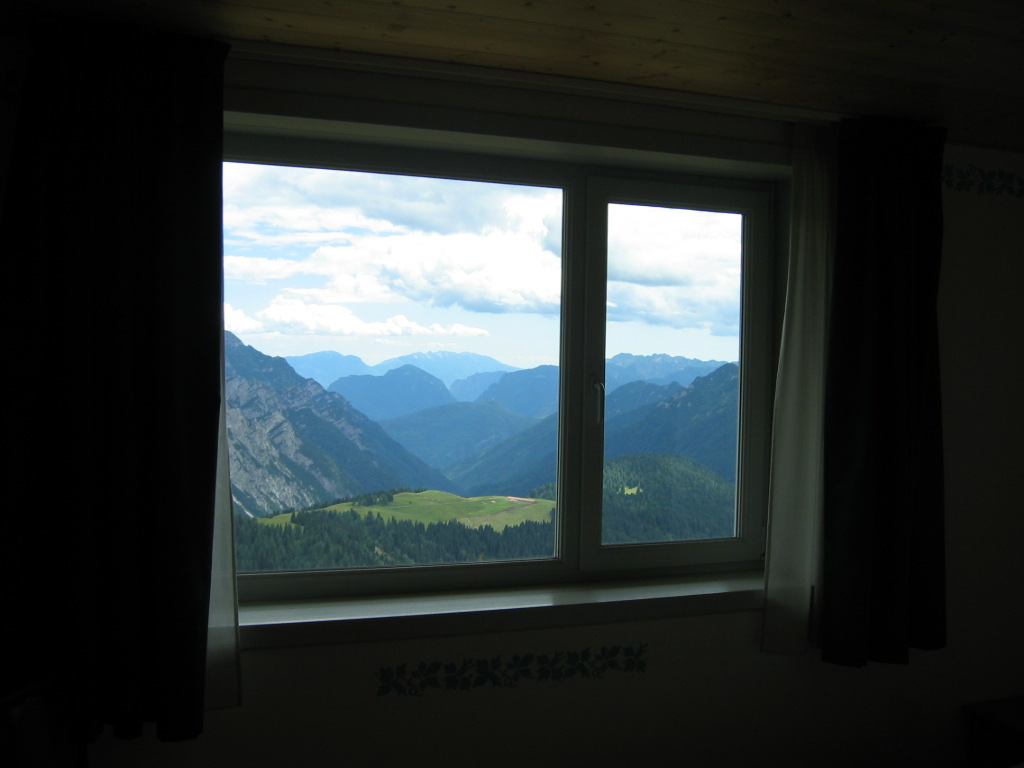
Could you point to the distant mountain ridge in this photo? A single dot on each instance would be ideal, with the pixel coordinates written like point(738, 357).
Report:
point(657, 369)
point(327, 367)
point(468, 376)
point(447, 366)
point(400, 391)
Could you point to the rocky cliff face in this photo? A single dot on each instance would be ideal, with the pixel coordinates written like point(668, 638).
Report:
point(293, 444)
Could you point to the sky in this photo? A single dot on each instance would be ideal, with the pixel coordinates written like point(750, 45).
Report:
point(379, 266)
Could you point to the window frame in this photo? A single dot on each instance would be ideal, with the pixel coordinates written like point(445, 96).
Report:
point(580, 560)
point(754, 203)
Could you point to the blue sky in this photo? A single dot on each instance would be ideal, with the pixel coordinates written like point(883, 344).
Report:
point(380, 266)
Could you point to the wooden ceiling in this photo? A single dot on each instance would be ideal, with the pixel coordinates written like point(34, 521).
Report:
point(955, 62)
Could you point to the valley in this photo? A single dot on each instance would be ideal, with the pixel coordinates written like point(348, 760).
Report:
point(323, 476)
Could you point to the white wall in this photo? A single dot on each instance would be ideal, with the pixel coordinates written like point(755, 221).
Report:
point(708, 697)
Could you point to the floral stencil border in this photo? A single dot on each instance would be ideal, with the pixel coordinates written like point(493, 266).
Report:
point(415, 680)
point(983, 181)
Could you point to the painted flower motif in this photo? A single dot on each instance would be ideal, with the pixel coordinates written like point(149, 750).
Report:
point(982, 181)
point(415, 680)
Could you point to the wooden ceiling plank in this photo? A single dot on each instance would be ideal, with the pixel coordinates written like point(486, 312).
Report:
point(929, 59)
point(859, 19)
point(693, 72)
point(985, 73)
point(553, 48)
point(913, 60)
point(996, 19)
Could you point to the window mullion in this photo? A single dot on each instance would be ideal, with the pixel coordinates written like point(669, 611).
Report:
point(591, 433)
point(572, 372)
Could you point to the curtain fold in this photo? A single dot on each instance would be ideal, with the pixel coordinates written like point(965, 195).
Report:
point(855, 555)
point(792, 562)
point(883, 586)
point(113, 207)
point(223, 671)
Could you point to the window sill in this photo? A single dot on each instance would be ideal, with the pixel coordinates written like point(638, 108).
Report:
point(268, 625)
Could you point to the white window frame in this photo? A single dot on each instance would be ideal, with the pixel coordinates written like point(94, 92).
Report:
point(755, 204)
point(588, 186)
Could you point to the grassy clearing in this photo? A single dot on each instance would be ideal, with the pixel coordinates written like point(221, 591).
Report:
point(427, 507)
point(283, 519)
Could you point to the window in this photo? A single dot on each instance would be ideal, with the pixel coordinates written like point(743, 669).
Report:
point(600, 408)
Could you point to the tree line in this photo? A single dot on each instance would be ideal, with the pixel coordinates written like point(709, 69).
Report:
point(646, 498)
point(318, 539)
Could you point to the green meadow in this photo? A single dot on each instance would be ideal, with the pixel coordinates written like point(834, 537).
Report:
point(426, 507)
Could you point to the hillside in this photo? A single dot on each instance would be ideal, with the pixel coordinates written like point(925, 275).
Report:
point(698, 421)
point(513, 466)
point(447, 434)
point(471, 387)
point(651, 498)
point(532, 392)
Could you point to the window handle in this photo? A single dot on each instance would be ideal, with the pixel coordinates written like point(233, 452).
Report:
point(599, 389)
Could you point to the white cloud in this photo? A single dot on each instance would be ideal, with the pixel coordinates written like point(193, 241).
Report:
point(300, 224)
point(309, 249)
point(674, 267)
point(500, 272)
point(678, 307)
point(444, 243)
point(291, 314)
point(255, 269)
point(236, 321)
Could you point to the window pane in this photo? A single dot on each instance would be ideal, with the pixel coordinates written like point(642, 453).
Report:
point(392, 367)
point(672, 380)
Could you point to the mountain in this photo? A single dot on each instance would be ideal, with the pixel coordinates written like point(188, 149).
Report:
point(471, 387)
point(657, 369)
point(445, 434)
point(326, 367)
point(293, 444)
point(398, 392)
point(512, 467)
point(531, 392)
point(698, 421)
point(447, 366)
point(636, 394)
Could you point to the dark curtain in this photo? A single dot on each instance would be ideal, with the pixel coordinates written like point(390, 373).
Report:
point(111, 234)
point(883, 546)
